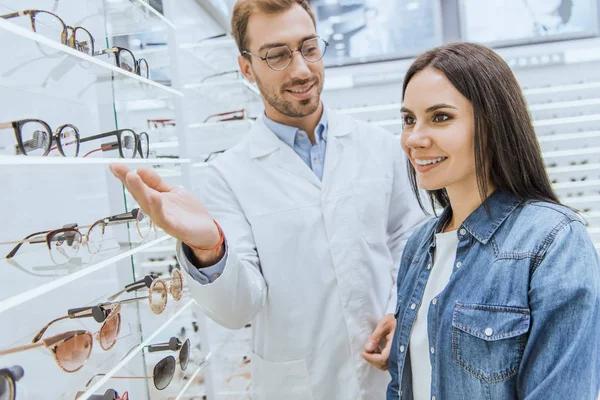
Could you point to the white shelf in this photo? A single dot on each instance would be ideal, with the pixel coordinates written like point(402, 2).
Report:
point(42, 286)
point(564, 104)
point(128, 17)
point(201, 367)
point(101, 381)
point(219, 84)
point(561, 88)
point(567, 120)
point(164, 145)
point(573, 169)
point(223, 124)
point(226, 41)
point(572, 152)
point(102, 70)
point(577, 185)
point(569, 136)
point(31, 160)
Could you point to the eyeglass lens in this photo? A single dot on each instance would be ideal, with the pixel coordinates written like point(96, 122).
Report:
point(126, 60)
point(184, 354)
point(50, 26)
point(72, 354)
point(83, 41)
point(158, 296)
point(6, 387)
point(35, 137)
point(68, 139)
point(109, 333)
point(280, 57)
point(163, 372)
point(128, 144)
point(64, 246)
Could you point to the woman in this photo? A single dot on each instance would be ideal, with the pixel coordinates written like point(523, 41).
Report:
point(499, 297)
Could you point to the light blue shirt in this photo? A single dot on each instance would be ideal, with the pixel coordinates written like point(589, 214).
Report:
point(312, 155)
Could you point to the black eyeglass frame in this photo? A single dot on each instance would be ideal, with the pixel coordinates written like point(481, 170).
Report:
point(119, 143)
point(53, 137)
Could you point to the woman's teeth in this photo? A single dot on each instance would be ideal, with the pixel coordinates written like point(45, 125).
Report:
point(428, 162)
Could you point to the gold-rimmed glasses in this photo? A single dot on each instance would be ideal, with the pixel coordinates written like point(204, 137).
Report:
point(157, 290)
point(279, 58)
point(64, 244)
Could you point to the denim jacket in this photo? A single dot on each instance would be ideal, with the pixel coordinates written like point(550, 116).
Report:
point(520, 316)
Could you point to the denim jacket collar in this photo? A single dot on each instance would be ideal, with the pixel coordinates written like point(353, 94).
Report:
point(481, 224)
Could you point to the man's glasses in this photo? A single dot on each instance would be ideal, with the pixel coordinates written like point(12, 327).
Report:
point(128, 143)
point(280, 57)
point(110, 394)
point(127, 61)
point(157, 290)
point(53, 27)
point(162, 375)
point(8, 382)
point(64, 244)
point(34, 137)
point(174, 344)
point(227, 116)
point(70, 350)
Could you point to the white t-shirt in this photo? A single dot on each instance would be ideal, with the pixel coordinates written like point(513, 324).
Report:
point(443, 262)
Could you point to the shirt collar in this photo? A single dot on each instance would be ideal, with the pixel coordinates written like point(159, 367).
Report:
point(483, 223)
point(287, 133)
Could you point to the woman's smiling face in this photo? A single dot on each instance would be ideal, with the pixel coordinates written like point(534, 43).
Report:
point(438, 132)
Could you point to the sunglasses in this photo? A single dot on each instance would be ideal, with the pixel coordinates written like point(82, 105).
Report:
point(228, 116)
point(53, 27)
point(125, 60)
point(70, 350)
point(174, 344)
point(157, 290)
point(107, 314)
point(162, 374)
point(128, 142)
point(8, 382)
point(64, 244)
point(110, 394)
point(35, 138)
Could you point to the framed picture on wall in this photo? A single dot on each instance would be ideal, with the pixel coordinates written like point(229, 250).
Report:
point(360, 31)
point(499, 23)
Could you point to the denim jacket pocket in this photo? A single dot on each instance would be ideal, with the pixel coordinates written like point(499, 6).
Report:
point(488, 341)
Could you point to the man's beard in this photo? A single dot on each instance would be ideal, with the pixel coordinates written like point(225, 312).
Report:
point(288, 108)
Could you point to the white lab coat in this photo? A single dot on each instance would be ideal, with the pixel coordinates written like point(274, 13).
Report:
point(313, 265)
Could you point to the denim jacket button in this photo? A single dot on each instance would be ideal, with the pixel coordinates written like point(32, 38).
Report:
point(489, 332)
point(429, 266)
point(463, 232)
point(401, 349)
point(413, 306)
point(458, 264)
point(434, 301)
point(432, 350)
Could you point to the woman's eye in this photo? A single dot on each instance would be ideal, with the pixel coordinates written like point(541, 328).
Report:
point(441, 118)
point(408, 120)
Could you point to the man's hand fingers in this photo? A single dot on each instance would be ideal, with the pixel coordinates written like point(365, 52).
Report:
point(377, 360)
point(119, 170)
point(140, 192)
point(153, 180)
point(381, 331)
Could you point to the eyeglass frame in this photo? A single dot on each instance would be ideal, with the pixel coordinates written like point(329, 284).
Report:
point(116, 50)
point(235, 116)
point(118, 133)
point(151, 282)
point(12, 375)
point(174, 344)
point(299, 50)
point(64, 36)
point(128, 217)
point(53, 136)
point(101, 313)
point(110, 394)
point(153, 377)
point(51, 343)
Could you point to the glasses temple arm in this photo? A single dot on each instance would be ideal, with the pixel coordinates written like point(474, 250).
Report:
point(41, 333)
point(26, 240)
point(13, 15)
point(99, 136)
point(20, 348)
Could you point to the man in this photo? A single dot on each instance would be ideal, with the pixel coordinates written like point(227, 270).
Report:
point(311, 211)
